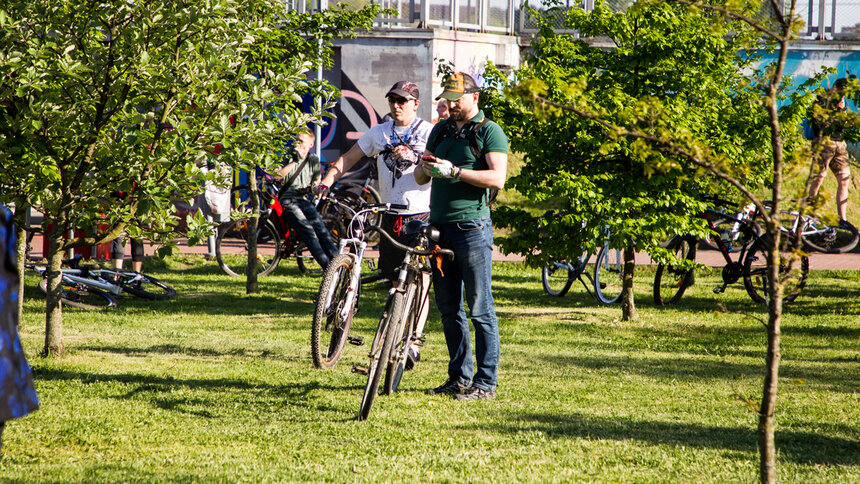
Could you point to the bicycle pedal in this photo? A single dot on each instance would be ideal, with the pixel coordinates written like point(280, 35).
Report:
point(355, 340)
point(361, 370)
point(719, 290)
point(419, 340)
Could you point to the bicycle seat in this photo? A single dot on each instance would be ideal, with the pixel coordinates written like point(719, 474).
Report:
point(416, 227)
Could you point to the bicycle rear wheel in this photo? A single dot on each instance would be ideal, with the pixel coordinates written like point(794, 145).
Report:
point(833, 239)
point(756, 275)
point(329, 330)
point(231, 247)
point(143, 286)
point(81, 296)
point(671, 281)
point(403, 338)
point(609, 274)
point(380, 352)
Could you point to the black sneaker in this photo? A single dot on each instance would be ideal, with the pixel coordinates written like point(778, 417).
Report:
point(450, 387)
point(475, 393)
point(844, 224)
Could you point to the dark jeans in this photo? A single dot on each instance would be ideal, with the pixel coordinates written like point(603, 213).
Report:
point(469, 274)
point(303, 217)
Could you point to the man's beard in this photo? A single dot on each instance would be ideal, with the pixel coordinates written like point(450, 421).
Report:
point(458, 115)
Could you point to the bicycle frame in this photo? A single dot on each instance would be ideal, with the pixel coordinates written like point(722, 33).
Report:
point(76, 275)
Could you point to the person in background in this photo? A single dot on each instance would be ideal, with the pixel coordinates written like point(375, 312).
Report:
point(442, 110)
point(300, 213)
point(832, 149)
point(17, 393)
point(118, 251)
point(459, 206)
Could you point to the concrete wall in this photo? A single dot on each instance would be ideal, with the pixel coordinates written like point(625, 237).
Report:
point(367, 66)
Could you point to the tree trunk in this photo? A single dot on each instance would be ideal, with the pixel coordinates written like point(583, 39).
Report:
point(54, 310)
point(766, 420)
point(251, 285)
point(628, 307)
point(21, 252)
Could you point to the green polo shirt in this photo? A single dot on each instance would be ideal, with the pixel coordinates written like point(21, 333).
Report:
point(454, 200)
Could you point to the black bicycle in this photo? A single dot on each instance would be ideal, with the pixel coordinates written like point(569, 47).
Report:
point(671, 280)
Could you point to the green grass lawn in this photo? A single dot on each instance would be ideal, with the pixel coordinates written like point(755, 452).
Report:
point(216, 386)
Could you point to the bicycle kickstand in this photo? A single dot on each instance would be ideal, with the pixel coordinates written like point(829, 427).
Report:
point(590, 280)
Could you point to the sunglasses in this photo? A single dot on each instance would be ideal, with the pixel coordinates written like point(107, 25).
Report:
point(398, 100)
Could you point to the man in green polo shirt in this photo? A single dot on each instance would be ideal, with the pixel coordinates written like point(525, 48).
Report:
point(466, 157)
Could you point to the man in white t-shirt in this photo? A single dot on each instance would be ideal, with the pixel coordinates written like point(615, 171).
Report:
point(397, 145)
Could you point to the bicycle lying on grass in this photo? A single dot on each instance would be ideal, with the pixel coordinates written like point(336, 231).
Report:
point(90, 287)
point(671, 281)
point(608, 274)
point(817, 235)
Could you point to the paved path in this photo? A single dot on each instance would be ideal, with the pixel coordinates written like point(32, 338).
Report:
point(707, 257)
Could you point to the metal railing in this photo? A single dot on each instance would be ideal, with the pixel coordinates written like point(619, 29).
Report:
point(824, 19)
point(830, 19)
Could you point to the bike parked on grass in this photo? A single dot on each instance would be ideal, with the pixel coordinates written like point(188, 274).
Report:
point(90, 287)
point(608, 272)
point(671, 281)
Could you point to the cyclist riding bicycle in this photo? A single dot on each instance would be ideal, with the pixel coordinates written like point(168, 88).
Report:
point(301, 214)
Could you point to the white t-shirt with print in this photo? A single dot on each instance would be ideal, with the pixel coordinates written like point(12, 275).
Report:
point(402, 189)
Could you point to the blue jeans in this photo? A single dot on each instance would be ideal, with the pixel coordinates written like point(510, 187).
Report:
point(303, 217)
point(469, 274)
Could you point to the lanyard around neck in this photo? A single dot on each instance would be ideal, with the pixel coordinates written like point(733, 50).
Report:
point(405, 140)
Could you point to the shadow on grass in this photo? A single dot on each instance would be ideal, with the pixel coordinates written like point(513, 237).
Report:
point(173, 349)
point(674, 368)
point(216, 393)
point(797, 446)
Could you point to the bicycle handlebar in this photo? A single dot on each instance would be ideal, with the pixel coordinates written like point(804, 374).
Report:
point(412, 250)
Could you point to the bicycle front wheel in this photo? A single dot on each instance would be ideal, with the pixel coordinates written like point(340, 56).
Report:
point(835, 239)
point(558, 276)
point(671, 281)
point(756, 275)
point(403, 338)
point(81, 296)
point(143, 286)
point(331, 323)
point(609, 274)
point(231, 247)
point(380, 351)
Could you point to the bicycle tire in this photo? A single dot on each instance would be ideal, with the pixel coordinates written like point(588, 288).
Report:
point(231, 248)
point(81, 296)
point(609, 274)
point(304, 260)
point(755, 273)
point(670, 281)
point(143, 286)
point(379, 353)
point(403, 339)
point(334, 289)
point(559, 276)
point(831, 239)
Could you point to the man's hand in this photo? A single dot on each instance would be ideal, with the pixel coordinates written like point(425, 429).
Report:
point(320, 191)
point(438, 168)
